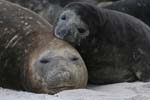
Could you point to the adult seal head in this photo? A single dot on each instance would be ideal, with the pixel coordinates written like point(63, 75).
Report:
point(115, 46)
point(31, 58)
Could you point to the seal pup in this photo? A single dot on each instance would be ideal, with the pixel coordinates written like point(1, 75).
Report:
point(115, 46)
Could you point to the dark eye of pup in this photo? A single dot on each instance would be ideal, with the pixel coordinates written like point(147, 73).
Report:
point(63, 17)
point(81, 30)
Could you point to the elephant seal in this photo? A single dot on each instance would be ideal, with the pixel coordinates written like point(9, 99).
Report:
point(115, 46)
point(31, 58)
point(136, 8)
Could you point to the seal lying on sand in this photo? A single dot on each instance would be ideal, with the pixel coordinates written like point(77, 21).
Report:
point(31, 58)
point(115, 46)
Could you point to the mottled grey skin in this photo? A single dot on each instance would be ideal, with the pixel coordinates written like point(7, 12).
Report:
point(31, 58)
point(115, 46)
point(71, 27)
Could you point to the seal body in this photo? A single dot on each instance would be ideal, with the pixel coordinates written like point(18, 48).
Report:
point(115, 46)
point(31, 58)
point(136, 8)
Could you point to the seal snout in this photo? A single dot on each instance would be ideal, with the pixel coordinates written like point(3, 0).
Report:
point(62, 33)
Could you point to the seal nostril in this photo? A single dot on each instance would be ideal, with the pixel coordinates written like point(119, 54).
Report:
point(81, 30)
point(44, 61)
point(74, 59)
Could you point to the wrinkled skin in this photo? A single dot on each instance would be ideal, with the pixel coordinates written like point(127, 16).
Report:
point(32, 59)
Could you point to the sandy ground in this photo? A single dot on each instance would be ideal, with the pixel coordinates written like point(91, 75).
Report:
point(120, 91)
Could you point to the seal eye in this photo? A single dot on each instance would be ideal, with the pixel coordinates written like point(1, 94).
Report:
point(44, 61)
point(74, 59)
point(81, 30)
point(63, 17)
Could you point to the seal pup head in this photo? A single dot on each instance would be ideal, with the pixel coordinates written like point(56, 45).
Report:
point(77, 22)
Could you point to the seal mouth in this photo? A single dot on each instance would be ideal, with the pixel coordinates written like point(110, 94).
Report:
point(58, 36)
point(55, 90)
